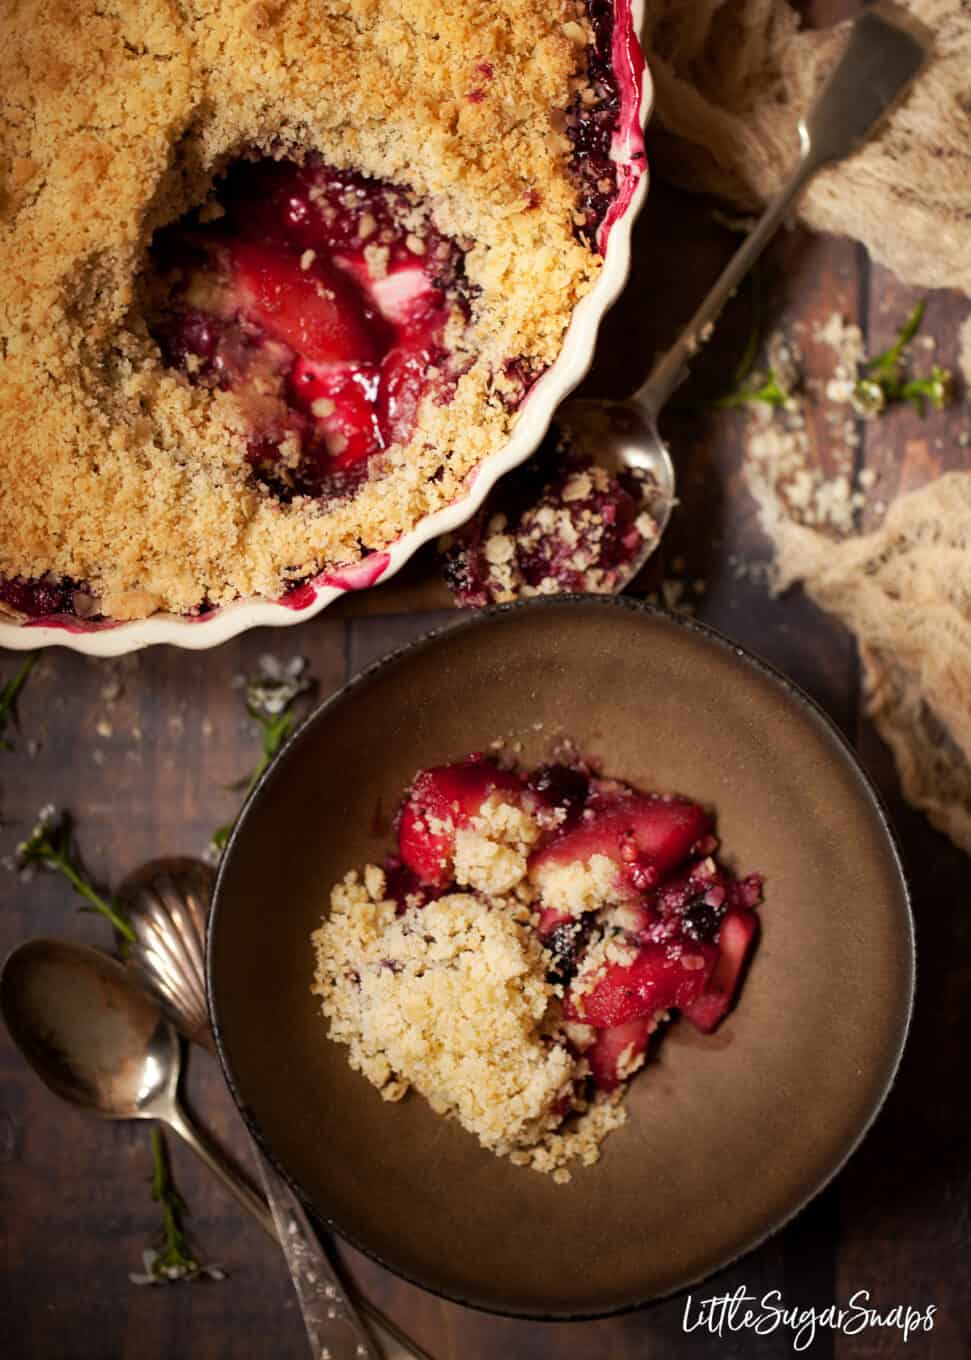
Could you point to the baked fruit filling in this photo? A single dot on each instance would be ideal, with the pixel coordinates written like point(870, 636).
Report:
point(327, 301)
point(520, 950)
point(286, 279)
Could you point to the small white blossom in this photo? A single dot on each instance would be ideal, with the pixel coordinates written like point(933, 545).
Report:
point(276, 685)
point(31, 851)
point(156, 1273)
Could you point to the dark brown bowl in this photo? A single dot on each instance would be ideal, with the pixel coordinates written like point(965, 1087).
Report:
point(729, 1135)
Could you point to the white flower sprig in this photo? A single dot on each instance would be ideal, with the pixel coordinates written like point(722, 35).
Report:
point(270, 695)
point(174, 1261)
point(50, 845)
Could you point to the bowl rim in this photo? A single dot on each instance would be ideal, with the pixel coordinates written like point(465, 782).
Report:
point(535, 416)
point(740, 654)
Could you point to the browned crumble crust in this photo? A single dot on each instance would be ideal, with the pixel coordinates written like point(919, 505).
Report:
point(113, 469)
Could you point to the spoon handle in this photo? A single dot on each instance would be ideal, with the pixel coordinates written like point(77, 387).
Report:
point(883, 55)
point(310, 1266)
point(672, 367)
point(176, 1120)
point(333, 1324)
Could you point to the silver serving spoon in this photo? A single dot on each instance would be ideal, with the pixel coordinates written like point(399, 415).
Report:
point(885, 52)
point(97, 1040)
point(167, 906)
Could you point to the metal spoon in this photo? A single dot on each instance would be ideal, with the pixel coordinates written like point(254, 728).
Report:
point(96, 1039)
point(167, 905)
point(884, 53)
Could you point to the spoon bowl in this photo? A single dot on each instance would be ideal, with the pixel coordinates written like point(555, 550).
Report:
point(91, 1037)
point(622, 436)
point(166, 904)
point(98, 1040)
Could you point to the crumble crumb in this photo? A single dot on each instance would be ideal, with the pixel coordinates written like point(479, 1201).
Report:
point(781, 467)
point(491, 853)
point(579, 887)
point(457, 998)
point(560, 523)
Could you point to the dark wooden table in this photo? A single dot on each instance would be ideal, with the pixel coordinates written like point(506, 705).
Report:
point(142, 751)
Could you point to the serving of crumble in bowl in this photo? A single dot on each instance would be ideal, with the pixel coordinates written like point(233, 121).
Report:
point(294, 289)
point(570, 887)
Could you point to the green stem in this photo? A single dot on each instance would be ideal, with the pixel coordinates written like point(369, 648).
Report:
point(13, 687)
point(275, 732)
point(176, 1253)
point(88, 893)
point(254, 778)
point(887, 361)
point(8, 695)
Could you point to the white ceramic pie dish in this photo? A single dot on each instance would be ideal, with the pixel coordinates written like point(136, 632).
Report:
point(114, 639)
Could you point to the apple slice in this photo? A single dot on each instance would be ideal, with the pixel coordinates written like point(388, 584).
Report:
point(341, 398)
point(658, 979)
point(648, 835)
point(613, 1055)
point(317, 311)
point(406, 296)
point(402, 384)
point(735, 942)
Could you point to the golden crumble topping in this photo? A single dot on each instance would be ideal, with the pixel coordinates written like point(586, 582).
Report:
point(451, 998)
point(455, 999)
point(115, 470)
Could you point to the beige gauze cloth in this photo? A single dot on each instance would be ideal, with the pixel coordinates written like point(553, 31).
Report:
point(733, 77)
point(905, 591)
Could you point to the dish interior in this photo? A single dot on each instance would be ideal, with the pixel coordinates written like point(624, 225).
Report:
point(729, 1134)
